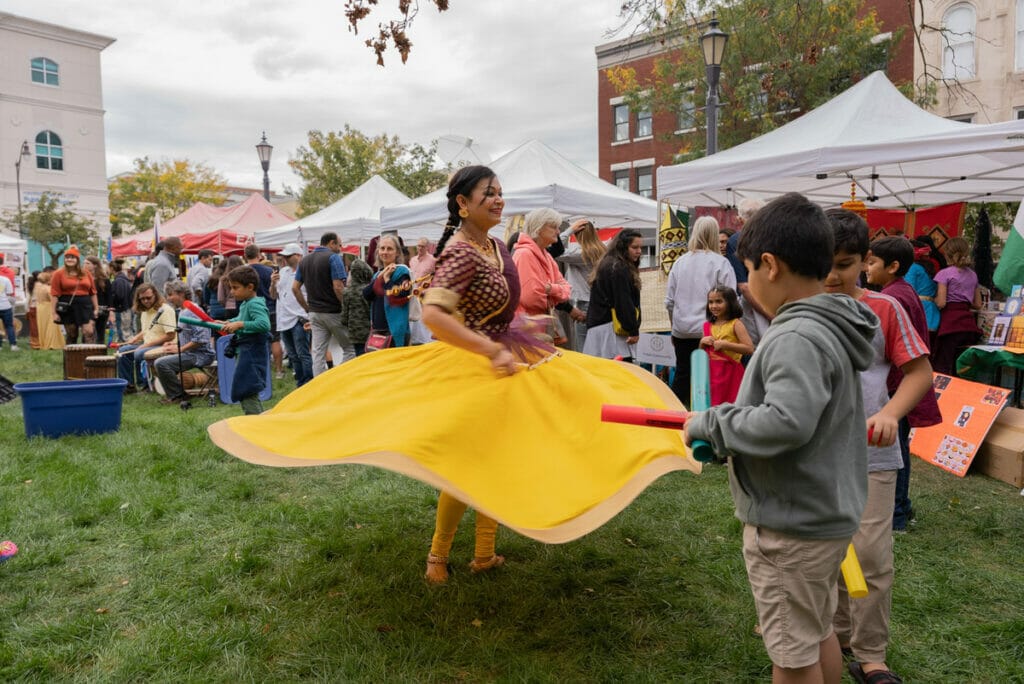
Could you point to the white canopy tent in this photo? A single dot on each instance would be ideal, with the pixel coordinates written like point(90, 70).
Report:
point(534, 176)
point(355, 218)
point(15, 251)
point(9, 243)
point(898, 154)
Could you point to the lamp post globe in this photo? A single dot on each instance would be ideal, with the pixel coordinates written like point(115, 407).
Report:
point(263, 149)
point(712, 43)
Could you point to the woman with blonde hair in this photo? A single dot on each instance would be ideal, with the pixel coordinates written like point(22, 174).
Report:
point(957, 294)
point(50, 336)
point(389, 291)
point(580, 259)
point(692, 276)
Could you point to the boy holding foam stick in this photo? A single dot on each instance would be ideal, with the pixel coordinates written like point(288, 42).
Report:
point(863, 624)
point(796, 437)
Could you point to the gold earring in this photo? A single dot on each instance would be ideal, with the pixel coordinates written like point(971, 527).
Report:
point(463, 212)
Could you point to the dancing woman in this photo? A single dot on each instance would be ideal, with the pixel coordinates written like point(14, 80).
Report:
point(465, 401)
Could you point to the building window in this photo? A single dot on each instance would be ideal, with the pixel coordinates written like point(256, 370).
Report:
point(1020, 36)
point(958, 34)
point(45, 71)
point(1018, 113)
point(621, 123)
point(621, 179)
point(645, 182)
point(49, 152)
point(687, 118)
point(644, 124)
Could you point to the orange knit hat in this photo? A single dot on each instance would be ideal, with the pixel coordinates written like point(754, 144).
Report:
point(73, 251)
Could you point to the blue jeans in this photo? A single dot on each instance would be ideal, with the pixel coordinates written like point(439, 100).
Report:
point(296, 344)
point(7, 316)
point(130, 359)
point(903, 510)
point(124, 325)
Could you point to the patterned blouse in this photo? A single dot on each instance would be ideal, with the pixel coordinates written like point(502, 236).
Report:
point(467, 285)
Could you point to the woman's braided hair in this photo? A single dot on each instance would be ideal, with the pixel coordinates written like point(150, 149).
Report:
point(462, 183)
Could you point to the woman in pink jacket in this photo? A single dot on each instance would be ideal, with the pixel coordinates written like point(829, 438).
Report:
point(542, 283)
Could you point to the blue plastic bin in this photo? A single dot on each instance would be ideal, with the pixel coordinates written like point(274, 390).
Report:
point(54, 409)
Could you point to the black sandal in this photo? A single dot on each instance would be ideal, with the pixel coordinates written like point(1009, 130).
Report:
point(873, 677)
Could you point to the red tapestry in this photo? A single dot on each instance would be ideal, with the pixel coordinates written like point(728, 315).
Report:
point(941, 223)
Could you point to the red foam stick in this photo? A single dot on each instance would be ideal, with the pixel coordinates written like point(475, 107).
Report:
point(195, 308)
point(648, 417)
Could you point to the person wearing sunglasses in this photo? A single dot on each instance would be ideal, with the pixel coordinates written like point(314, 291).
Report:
point(157, 328)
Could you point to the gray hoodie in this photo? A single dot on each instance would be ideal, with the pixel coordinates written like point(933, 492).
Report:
point(797, 433)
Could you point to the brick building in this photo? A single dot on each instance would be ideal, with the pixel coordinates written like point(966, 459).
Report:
point(631, 145)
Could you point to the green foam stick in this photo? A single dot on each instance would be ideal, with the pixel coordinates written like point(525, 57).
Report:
point(188, 320)
point(700, 399)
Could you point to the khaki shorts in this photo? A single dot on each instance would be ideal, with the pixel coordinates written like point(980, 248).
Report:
point(793, 580)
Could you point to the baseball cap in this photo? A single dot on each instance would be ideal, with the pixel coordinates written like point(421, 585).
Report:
point(291, 248)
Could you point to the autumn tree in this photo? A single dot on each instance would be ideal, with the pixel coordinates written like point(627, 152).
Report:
point(784, 58)
point(392, 31)
point(168, 187)
point(52, 223)
point(334, 164)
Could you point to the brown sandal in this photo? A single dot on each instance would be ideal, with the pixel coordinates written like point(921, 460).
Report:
point(437, 569)
point(478, 566)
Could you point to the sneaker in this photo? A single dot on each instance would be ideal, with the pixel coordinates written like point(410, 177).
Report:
point(14, 347)
point(279, 375)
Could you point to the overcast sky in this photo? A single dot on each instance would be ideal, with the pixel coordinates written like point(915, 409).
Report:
point(202, 79)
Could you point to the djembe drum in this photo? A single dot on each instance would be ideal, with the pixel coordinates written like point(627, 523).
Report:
point(150, 357)
point(100, 367)
point(75, 356)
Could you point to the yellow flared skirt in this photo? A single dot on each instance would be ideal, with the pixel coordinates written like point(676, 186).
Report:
point(529, 450)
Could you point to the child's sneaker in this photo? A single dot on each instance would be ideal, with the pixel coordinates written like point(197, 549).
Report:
point(14, 347)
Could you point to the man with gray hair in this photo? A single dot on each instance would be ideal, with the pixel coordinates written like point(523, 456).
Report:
point(754, 317)
point(196, 348)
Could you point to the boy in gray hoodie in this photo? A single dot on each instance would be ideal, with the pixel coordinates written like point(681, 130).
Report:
point(796, 437)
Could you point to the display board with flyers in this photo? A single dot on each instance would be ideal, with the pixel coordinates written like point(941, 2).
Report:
point(968, 411)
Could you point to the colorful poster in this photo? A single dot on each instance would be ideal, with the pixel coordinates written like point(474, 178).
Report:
point(968, 411)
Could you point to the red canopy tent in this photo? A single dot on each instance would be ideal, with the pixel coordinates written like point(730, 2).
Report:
point(225, 230)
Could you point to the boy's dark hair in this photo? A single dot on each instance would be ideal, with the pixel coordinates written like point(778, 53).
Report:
point(203, 253)
point(244, 275)
point(795, 230)
point(850, 232)
point(894, 248)
point(328, 238)
point(733, 309)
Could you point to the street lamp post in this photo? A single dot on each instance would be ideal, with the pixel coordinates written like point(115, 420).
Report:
point(263, 149)
point(22, 153)
point(712, 43)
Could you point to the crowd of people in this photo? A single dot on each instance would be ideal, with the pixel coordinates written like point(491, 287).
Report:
point(821, 342)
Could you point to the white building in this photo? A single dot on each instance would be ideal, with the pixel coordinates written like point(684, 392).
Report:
point(977, 48)
point(51, 98)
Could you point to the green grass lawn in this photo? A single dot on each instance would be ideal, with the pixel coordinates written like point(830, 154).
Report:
point(149, 554)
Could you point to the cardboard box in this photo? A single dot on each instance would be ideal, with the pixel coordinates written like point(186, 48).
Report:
point(1002, 453)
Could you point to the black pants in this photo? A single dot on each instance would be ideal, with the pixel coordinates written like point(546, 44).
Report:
point(681, 384)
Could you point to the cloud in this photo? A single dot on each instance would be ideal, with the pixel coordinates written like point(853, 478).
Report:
point(201, 80)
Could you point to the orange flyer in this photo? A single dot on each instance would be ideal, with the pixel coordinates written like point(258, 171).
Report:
point(968, 411)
